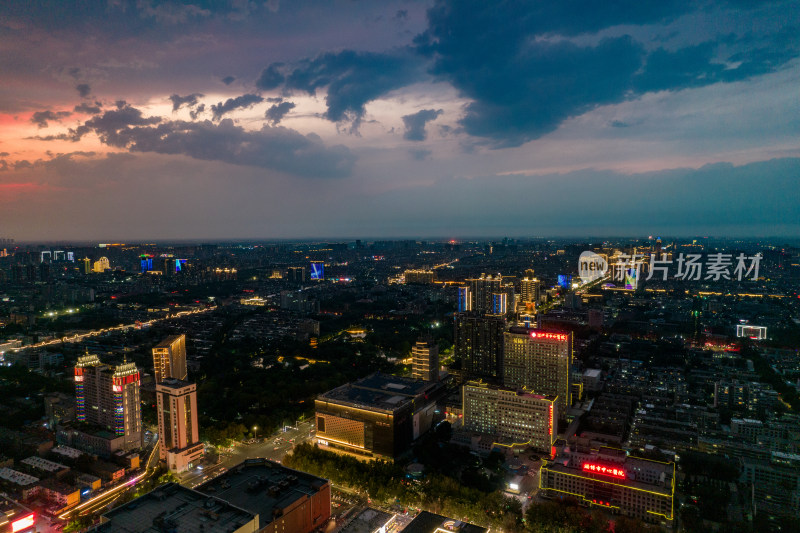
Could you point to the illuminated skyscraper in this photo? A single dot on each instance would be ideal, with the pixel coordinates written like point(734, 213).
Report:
point(539, 361)
point(464, 300)
point(87, 265)
point(425, 364)
point(482, 290)
point(479, 345)
point(169, 358)
point(179, 445)
point(529, 289)
point(109, 397)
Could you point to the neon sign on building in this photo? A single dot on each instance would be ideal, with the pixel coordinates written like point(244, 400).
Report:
point(549, 336)
point(550, 421)
point(611, 471)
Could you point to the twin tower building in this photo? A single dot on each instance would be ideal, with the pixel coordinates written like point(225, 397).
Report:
point(109, 398)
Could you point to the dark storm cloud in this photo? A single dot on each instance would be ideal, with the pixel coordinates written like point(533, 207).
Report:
point(40, 118)
point(197, 110)
point(113, 126)
point(415, 124)
point(84, 90)
point(522, 86)
point(276, 113)
point(227, 80)
point(352, 79)
point(88, 108)
point(188, 100)
point(244, 101)
point(697, 66)
point(271, 77)
point(275, 148)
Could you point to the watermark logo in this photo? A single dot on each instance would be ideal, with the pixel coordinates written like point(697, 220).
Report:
point(685, 267)
point(591, 266)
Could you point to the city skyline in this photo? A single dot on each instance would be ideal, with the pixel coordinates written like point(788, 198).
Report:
point(311, 119)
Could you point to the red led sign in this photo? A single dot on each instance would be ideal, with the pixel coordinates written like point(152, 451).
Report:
point(124, 380)
point(612, 471)
point(550, 336)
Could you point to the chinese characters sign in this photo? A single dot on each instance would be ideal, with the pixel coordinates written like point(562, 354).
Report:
point(614, 471)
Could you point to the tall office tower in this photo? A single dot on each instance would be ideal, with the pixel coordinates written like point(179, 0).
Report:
point(169, 358)
point(296, 274)
point(180, 444)
point(481, 291)
point(168, 266)
point(109, 397)
point(499, 303)
point(511, 414)
point(529, 289)
point(425, 360)
point(464, 300)
point(539, 361)
point(479, 345)
point(87, 265)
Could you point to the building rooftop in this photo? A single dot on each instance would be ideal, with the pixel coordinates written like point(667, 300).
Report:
point(368, 521)
point(380, 391)
point(43, 464)
point(426, 522)
point(263, 487)
point(67, 451)
point(178, 509)
point(17, 478)
point(174, 383)
point(166, 343)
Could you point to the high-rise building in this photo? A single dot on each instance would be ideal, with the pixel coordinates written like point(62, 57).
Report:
point(518, 416)
point(529, 290)
point(539, 360)
point(479, 345)
point(169, 358)
point(109, 397)
point(86, 265)
point(464, 300)
point(296, 274)
point(179, 445)
point(425, 361)
point(481, 291)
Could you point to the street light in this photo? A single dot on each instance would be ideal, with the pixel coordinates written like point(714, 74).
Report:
point(255, 430)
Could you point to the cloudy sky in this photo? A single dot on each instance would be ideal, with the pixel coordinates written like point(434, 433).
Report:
point(320, 119)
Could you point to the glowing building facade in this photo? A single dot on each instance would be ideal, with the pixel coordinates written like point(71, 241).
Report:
point(609, 478)
point(109, 397)
point(169, 358)
point(514, 416)
point(179, 445)
point(539, 361)
point(425, 361)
